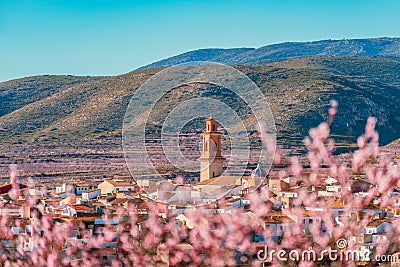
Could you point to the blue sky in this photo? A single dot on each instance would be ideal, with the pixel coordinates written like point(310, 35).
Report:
point(83, 37)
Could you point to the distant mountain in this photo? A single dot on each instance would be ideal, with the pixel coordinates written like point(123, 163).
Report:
point(212, 54)
point(68, 110)
point(375, 47)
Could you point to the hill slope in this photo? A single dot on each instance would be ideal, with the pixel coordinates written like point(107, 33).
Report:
point(18, 93)
point(376, 47)
point(298, 90)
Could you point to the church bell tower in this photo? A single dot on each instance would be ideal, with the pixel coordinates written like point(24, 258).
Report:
point(211, 160)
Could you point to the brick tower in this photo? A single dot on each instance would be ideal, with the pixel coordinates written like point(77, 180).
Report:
point(211, 160)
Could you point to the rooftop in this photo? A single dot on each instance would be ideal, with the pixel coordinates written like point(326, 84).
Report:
point(118, 182)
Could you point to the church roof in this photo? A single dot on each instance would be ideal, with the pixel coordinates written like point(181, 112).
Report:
point(223, 180)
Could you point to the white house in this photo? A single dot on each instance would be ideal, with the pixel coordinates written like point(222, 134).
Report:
point(109, 186)
point(91, 194)
point(80, 188)
point(378, 226)
point(72, 188)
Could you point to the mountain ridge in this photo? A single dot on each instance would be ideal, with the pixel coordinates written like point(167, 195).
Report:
point(388, 47)
point(298, 89)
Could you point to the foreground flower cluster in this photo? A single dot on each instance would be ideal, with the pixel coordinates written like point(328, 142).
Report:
point(305, 210)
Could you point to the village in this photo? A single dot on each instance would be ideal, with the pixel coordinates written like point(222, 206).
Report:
point(90, 208)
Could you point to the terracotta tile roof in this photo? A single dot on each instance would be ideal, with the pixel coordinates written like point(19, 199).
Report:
point(81, 185)
point(92, 190)
point(275, 217)
point(119, 182)
point(296, 189)
point(312, 213)
point(82, 207)
point(7, 187)
point(56, 199)
point(338, 204)
point(86, 218)
point(378, 222)
point(222, 180)
point(119, 201)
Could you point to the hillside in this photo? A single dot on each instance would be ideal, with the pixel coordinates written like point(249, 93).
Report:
point(375, 47)
point(298, 90)
point(18, 93)
point(64, 127)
